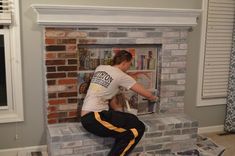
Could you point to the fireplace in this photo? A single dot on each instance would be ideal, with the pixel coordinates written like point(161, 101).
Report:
point(68, 30)
point(64, 47)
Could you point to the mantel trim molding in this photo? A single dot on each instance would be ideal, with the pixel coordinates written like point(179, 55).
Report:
point(59, 15)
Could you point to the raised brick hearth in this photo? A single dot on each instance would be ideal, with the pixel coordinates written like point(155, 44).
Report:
point(164, 134)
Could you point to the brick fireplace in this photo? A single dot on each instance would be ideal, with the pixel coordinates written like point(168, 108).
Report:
point(62, 63)
point(80, 25)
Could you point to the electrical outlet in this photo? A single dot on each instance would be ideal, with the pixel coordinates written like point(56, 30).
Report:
point(16, 137)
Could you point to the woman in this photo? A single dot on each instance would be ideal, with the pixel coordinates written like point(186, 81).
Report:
point(96, 118)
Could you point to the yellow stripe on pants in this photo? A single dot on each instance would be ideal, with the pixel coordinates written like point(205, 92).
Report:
point(108, 125)
point(135, 132)
point(117, 129)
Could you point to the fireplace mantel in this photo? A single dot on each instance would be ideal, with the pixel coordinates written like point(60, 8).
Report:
point(68, 15)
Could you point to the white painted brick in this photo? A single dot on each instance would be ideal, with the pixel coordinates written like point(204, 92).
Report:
point(165, 64)
point(167, 94)
point(178, 64)
point(169, 70)
point(55, 33)
point(85, 149)
point(67, 107)
point(136, 34)
point(164, 99)
point(93, 141)
point(76, 34)
point(57, 88)
point(177, 76)
point(107, 41)
point(165, 76)
point(171, 34)
point(179, 88)
point(145, 41)
point(180, 81)
point(183, 46)
point(178, 52)
point(170, 46)
point(184, 34)
point(180, 104)
point(55, 132)
point(66, 131)
point(71, 144)
point(62, 152)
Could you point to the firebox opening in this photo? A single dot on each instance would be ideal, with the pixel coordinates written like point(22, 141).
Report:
point(145, 69)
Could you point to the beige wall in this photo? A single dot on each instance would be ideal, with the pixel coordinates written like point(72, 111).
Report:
point(32, 131)
point(208, 115)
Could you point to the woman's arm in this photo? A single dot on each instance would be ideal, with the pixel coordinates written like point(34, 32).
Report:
point(142, 91)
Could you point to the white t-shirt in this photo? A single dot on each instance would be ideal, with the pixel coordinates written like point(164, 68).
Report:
point(104, 85)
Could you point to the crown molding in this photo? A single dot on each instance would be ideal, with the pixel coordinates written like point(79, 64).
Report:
point(59, 15)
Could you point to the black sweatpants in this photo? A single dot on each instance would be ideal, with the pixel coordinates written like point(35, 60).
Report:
point(126, 128)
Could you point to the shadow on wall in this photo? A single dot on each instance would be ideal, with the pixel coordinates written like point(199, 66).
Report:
point(3, 96)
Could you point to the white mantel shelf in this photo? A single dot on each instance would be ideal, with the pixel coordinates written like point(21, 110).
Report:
point(59, 15)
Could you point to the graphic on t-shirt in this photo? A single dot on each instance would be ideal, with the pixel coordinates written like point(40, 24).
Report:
point(102, 78)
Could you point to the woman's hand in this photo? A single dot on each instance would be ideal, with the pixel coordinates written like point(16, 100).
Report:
point(153, 98)
point(138, 88)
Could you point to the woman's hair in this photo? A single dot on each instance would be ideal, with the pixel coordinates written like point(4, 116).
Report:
point(121, 56)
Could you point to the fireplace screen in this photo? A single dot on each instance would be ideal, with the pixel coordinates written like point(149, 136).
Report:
point(144, 69)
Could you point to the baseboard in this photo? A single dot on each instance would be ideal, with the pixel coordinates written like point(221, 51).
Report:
point(211, 129)
point(21, 151)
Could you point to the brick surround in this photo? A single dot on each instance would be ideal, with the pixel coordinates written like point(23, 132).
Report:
point(61, 63)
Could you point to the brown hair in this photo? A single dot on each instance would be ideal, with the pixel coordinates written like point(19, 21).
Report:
point(121, 56)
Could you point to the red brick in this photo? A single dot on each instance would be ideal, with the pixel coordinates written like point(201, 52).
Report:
point(73, 100)
point(71, 47)
point(72, 61)
point(51, 69)
point(67, 55)
point(72, 74)
point(57, 101)
point(73, 114)
point(67, 68)
point(52, 121)
point(55, 62)
point(55, 48)
point(50, 55)
point(87, 41)
point(52, 115)
point(51, 82)
point(52, 95)
point(50, 41)
point(56, 115)
point(67, 94)
point(51, 109)
point(72, 88)
point(66, 41)
point(67, 81)
point(55, 75)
